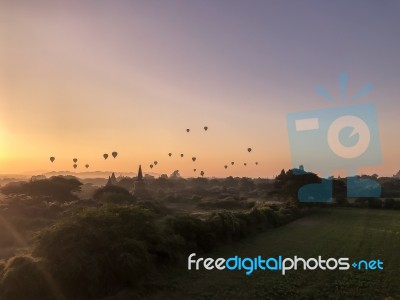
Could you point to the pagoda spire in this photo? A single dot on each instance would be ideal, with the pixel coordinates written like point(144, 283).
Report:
point(109, 182)
point(140, 174)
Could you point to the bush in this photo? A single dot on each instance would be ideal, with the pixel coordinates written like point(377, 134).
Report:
point(100, 251)
point(113, 195)
point(23, 277)
point(56, 188)
point(374, 203)
point(228, 203)
point(196, 233)
point(225, 225)
point(389, 203)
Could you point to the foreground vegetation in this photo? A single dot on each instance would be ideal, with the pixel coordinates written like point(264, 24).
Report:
point(99, 251)
point(61, 238)
point(340, 232)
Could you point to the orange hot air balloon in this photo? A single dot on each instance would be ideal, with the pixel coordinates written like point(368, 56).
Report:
point(75, 165)
point(75, 160)
point(114, 154)
point(52, 159)
point(87, 166)
point(194, 158)
point(105, 155)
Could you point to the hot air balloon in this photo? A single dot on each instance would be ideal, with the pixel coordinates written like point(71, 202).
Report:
point(105, 155)
point(245, 164)
point(155, 163)
point(226, 167)
point(114, 154)
point(256, 163)
point(52, 159)
point(205, 128)
point(87, 166)
point(181, 155)
point(187, 130)
point(194, 170)
point(75, 165)
point(249, 149)
point(194, 158)
point(170, 154)
point(232, 163)
point(151, 166)
point(202, 173)
point(75, 160)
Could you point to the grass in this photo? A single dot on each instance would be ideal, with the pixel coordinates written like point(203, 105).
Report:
point(340, 232)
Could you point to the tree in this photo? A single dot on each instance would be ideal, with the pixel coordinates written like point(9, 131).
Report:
point(113, 194)
point(56, 188)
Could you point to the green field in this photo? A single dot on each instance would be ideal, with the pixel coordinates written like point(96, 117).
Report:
point(341, 232)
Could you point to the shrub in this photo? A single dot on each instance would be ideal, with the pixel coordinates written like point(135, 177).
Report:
point(197, 234)
point(374, 203)
point(56, 188)
point(23, 277)
point(100, 251)
point(388, 203)
point(113, 195)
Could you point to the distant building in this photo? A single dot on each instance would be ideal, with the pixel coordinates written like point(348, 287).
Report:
point(139, 188)
point(109, 181)
point(112, 180)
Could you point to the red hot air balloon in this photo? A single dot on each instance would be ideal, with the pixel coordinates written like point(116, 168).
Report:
point(52, 159)
point(105, 155)
point(114, 154)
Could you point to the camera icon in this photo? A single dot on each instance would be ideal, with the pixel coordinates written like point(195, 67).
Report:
point(340, 138)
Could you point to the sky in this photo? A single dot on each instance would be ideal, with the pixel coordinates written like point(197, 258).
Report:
point(83, 78)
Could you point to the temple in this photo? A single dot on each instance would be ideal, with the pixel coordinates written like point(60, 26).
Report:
point(139, 189)
point(112, 180)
